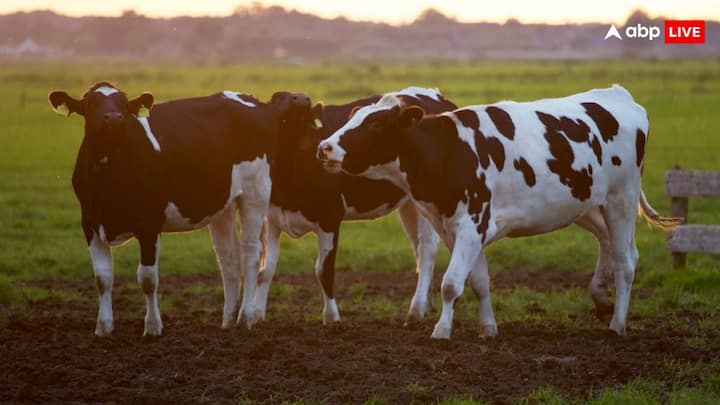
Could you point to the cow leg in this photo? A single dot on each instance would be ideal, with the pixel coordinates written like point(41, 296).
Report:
point(424, 241)
point(620, 214)
point(147, 277)
point(223, 231)
point(252, 213)
point(267, 270)
point(101, 257)
point(480, 282)
point(465, 253)
point(594, 222)
point(325, 272)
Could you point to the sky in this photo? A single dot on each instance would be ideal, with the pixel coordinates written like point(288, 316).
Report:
point(394, 11)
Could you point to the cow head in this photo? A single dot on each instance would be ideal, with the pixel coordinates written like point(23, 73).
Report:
point(104, 106)
point(105, 109)
point(370, 138)
point(293, 108)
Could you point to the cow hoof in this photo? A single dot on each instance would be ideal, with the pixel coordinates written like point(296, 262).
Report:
point(489, 330)
point(441, 332)
point(245, 320)
point(618, 328)
point(417, 312)
point(331, 318)
point(259, 315)
point(153, 328)
point(103, 328)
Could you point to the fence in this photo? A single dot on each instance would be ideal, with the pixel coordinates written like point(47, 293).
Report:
point(680, 185)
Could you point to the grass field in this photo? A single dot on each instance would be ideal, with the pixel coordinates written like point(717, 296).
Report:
point(41, 238)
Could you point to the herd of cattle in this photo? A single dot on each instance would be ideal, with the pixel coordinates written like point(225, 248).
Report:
point(467, 176)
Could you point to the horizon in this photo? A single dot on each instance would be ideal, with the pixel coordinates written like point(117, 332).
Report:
point(528, 12)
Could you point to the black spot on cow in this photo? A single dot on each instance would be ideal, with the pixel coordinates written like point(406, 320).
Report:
point(496, 151)
point(640, 146)
point(524, 167)
point(487, 147)
point(597, 148)
point(616, 160)
point(577, 131)
point(477, 195)
point(468, 118)
point(502, 121)
point(605, 121)
point(579, 182)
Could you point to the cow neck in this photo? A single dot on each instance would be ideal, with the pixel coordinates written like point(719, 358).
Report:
point(422, 154)
point(283, 166)
point(290, 153)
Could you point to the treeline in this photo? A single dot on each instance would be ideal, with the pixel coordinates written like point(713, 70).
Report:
point(275, 33)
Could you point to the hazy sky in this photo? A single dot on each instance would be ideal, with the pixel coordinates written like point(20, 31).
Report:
point(395, 11)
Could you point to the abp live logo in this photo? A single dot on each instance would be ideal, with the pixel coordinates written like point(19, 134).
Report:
point(684, 31)
point(676, 32)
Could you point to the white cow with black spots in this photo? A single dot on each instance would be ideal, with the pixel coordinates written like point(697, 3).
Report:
point(485, 172)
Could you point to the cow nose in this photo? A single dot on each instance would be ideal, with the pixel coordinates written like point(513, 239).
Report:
point(112, 117)
point(300, 99)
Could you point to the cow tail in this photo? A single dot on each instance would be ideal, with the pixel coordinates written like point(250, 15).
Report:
point(653, 218)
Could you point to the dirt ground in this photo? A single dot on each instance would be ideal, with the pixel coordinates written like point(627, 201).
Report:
point(49, 354)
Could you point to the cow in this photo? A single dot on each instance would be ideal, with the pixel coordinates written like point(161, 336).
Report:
point(307, 199)
point(485, 172)
point(192, 163)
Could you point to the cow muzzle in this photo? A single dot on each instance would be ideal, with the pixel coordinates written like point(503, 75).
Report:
point(329, 157)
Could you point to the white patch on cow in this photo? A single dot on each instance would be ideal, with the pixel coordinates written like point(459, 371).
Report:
point(465, 134)
point(148, 133)
point(414, 91)
point(106, 90)
point(148, 280)
point(174, 221)
point(243, 174)
point(236, 97)
point(325, 246)
point(103, 269)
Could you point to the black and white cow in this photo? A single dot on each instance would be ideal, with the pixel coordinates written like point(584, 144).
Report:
point(485, 172)
point(192, 163)
point(307, 199)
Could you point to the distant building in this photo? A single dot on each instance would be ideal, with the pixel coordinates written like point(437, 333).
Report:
point(29, 47)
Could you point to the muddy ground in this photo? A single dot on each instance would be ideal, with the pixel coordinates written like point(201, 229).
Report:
point(49, 354)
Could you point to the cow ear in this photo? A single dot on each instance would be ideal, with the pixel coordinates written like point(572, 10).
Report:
point(141, 106)
point(65, 105)
point(317, 112)
point(411, 116)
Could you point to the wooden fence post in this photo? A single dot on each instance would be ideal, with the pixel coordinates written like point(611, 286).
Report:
point(680, 185)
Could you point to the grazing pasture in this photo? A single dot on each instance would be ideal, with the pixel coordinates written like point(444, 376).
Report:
point(550, 347)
